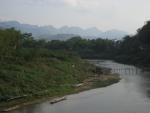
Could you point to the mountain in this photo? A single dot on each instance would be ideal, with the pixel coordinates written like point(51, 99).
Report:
point(63, 33)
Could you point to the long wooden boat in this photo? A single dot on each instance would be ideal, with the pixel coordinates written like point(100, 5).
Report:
point(57, 100)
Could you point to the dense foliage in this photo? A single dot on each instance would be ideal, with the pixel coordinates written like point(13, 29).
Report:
point(136, 49)
point(96, 48)
point(28, 68)
point(31, 67)
point(132, 49)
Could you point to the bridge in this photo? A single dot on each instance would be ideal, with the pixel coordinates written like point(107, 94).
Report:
point(121, 68)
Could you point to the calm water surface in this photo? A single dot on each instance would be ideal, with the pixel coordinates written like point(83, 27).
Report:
point(130, 95)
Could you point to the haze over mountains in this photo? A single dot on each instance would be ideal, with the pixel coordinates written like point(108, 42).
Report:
point(63, 33)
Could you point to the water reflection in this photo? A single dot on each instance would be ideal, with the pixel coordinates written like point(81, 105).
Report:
point(130, 95)
point(118, 68)
point(139, 78)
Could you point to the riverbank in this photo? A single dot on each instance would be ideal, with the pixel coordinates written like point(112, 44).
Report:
point(96, 80)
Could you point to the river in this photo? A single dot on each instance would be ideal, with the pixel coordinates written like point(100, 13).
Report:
point(130, 95)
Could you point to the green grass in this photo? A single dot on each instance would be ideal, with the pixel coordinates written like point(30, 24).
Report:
point(40, 77)
point(106, 82)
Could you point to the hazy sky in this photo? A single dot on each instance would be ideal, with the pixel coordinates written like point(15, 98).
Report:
point(127, 15)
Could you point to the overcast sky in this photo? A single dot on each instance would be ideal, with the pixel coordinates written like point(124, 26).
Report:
point(127, 15)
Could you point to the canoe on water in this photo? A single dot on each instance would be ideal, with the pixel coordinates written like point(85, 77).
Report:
point(57, 100)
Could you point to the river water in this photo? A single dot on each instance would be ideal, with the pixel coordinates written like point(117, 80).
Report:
point(130, 95)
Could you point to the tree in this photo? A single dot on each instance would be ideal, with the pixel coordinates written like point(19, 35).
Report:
point(9, 41)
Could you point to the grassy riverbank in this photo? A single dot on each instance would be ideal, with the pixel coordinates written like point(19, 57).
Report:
point(98, 82)
point(42, 77)
point(87, 76)
point(30, 70)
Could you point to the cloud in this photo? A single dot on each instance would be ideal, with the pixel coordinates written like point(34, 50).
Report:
point(71, 2)
point(45, 2)
point(84, 4)
point(104, 14)
point(75, 4)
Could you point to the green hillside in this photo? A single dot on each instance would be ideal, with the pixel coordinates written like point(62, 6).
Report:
point(27, 69)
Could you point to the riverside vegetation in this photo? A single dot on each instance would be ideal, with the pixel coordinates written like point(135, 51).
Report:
point(30, 70)
point(133, 49)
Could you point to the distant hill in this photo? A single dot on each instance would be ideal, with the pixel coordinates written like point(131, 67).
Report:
point(63, 33)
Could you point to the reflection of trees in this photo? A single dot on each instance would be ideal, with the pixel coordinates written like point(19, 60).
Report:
point(133, 77)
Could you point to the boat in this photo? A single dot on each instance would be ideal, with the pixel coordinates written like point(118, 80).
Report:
point(57, 100)
point(10, 109)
